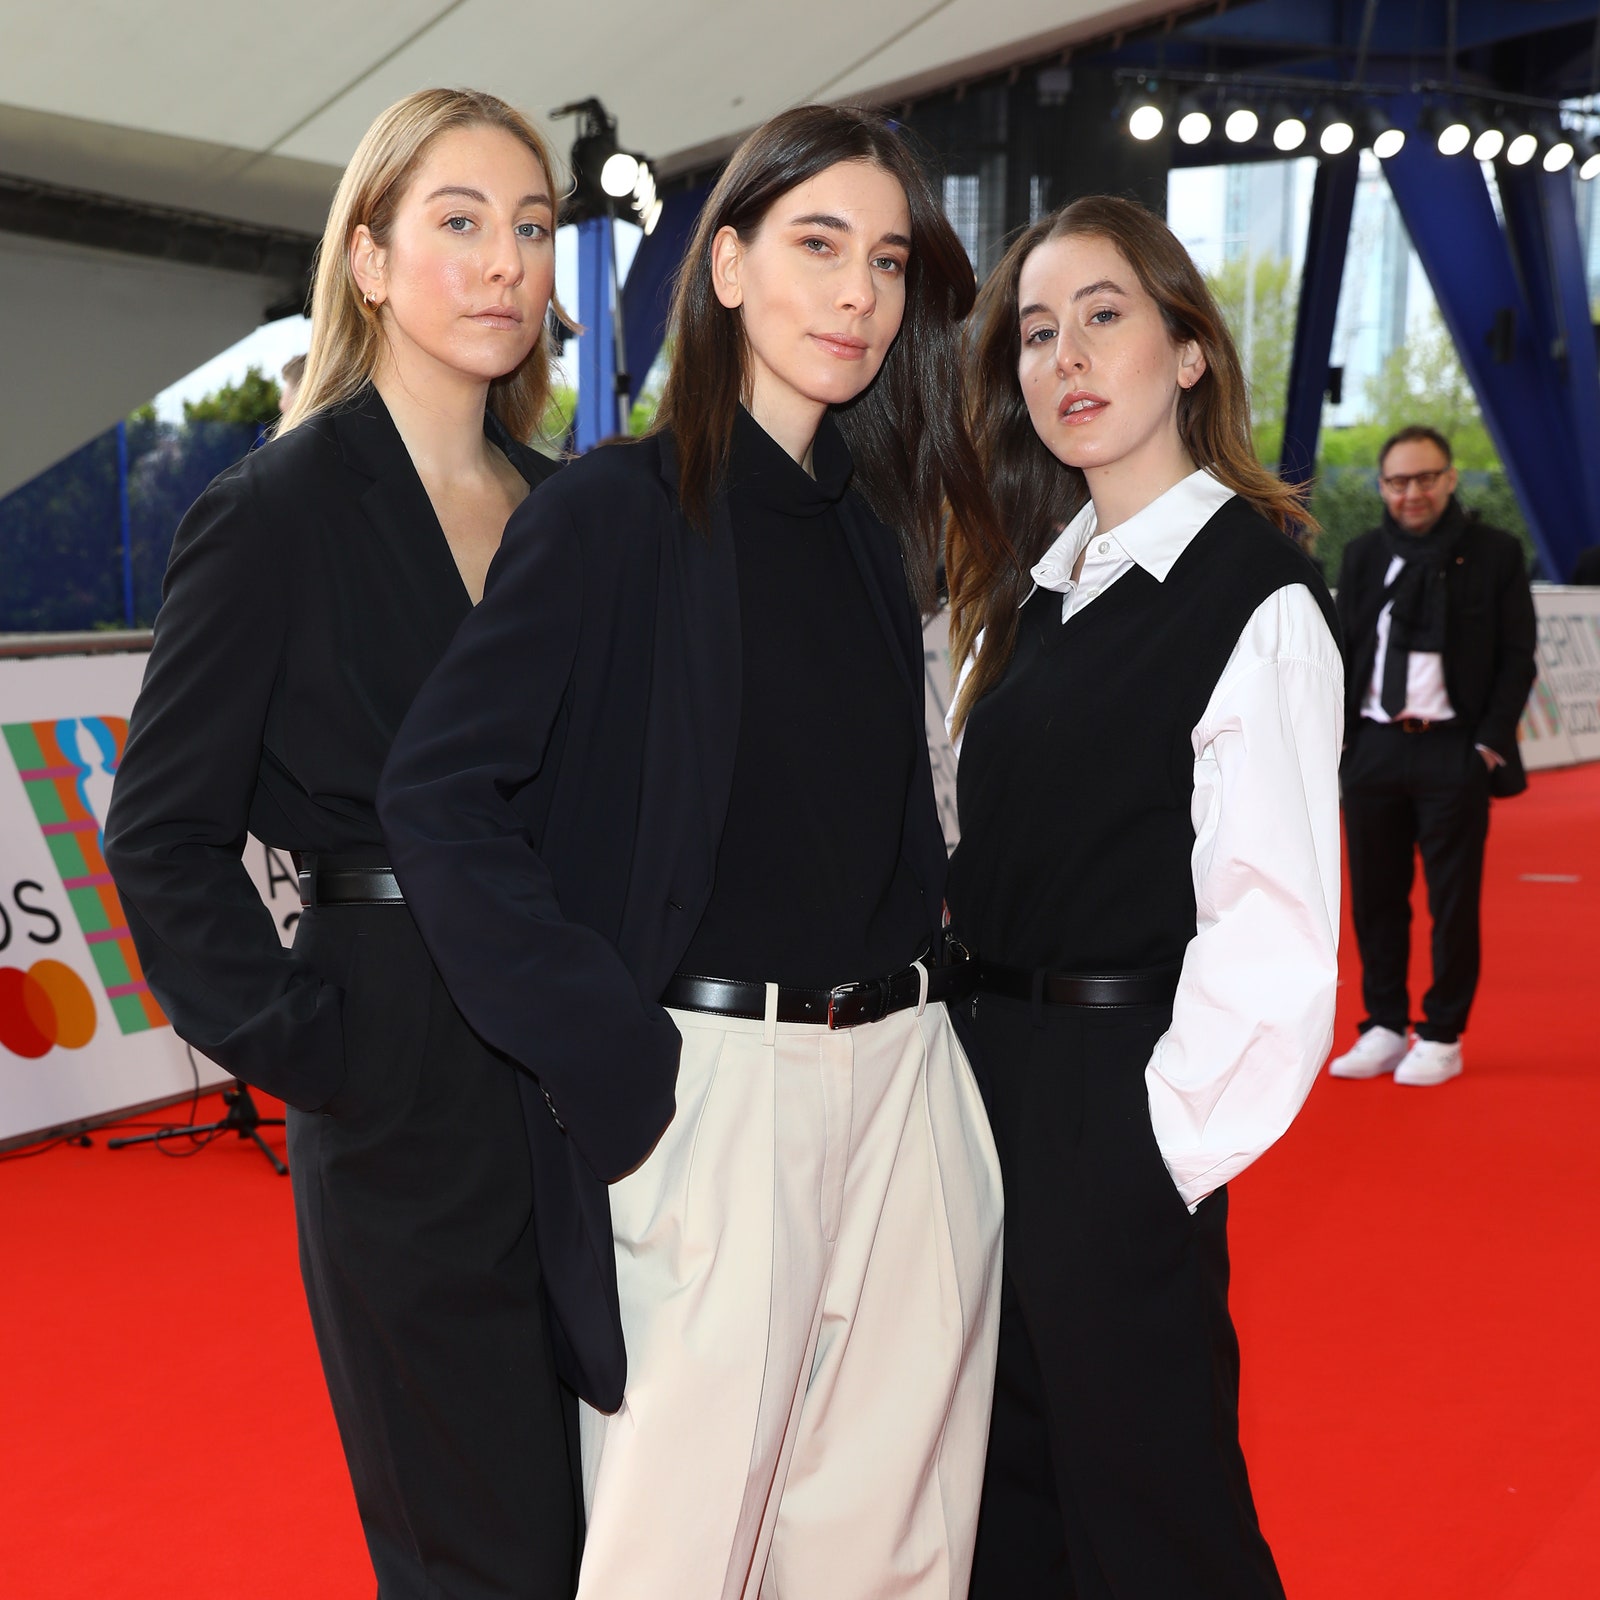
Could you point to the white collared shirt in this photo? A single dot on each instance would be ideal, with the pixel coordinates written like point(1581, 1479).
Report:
point(1253, 1015)
point(1425, 691)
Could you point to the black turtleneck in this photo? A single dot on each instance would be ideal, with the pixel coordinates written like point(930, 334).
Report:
point(811, 885)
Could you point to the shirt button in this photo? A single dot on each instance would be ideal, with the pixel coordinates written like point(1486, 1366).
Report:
point(1105, 545)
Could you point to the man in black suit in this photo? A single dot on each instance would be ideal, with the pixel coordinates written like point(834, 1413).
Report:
point(1439, 638)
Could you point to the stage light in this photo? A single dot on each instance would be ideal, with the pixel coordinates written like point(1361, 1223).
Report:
point(1194, 121)
point(1289, 131)
point(607, 181)
point(1488, 138)
point(1145, 121)
point(1388, 142)
point(1241, 124)
point(1335, 132)
point(1521, 149)
point(1451, 135)
point(1588, 159)
point(619, 174)
point(1558, 156)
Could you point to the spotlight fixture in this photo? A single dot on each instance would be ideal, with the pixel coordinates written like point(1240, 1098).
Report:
point(1289, 130)
point(1559, 151)
point(1451, 135)
point(1194, 121)
point(1145, 119)
point(1588, 159)
point(1521, 149)
point(619, 174)
point(1335, 132)
point(1489, 140)
point(1386, 139)
point(1241, 123)
point(607, 181)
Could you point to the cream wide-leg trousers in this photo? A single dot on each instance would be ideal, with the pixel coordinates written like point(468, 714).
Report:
point(809, 1265)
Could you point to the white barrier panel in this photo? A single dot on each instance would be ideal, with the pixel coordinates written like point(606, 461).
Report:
point(1561, 724)
point(80, 1035)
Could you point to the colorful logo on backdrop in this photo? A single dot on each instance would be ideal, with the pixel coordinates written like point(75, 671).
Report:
point(46, 1005)
point(66, 767)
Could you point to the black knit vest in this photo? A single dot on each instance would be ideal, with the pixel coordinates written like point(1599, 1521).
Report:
point(1077, 769)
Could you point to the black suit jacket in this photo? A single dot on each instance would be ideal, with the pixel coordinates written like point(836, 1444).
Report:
point(309, 593)
point(553, 807)
point(1490, 636)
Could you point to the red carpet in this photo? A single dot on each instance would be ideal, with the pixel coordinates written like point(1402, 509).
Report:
point(1415, 1289)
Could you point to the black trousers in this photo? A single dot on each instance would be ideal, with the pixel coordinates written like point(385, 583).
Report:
point(1406, 793)
point(414, 1204)
point(1114, 1469)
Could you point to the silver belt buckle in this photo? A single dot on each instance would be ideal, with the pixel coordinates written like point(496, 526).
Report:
point(845, 992)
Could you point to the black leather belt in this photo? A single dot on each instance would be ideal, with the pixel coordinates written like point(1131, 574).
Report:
point(1415, 724)
point(847, 1006)
point(1153, 988)
point(325, 885)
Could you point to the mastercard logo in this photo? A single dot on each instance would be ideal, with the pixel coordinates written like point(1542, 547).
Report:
point(47, 1005)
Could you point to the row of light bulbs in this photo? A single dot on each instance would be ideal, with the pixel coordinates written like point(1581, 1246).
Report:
point(1335, 130)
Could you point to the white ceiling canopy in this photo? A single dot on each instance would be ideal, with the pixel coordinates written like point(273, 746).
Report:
point(261, 87)
point(248, 113)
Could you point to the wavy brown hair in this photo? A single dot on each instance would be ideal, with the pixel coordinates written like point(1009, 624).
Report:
point(906, 431)
point(347, 334)
point(1035, 494)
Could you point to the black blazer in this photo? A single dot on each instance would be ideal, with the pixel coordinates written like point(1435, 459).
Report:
point(1490, 635)
point(309, 593)
point(553, 806)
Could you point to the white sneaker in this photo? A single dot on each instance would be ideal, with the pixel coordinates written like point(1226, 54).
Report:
point(1429, 1061)
point(1377, 1051)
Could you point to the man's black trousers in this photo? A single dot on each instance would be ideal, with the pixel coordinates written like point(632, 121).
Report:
point(1405, 793)
point(1114, 1469)
point(414, 1202)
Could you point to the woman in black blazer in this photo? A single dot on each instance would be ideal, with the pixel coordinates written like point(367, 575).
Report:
point(310, 591)
point(666, 820)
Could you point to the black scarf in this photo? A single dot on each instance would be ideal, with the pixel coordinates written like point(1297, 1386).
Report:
point(1418, 594)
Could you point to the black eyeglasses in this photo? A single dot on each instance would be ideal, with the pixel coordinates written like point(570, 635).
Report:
point(1401, 481)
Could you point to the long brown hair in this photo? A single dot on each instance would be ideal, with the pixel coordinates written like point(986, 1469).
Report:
point(346, 333)
point(906, 432)
point(1035, 494)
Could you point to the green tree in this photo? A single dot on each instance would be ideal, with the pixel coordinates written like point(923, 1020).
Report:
point(1424, 382)
point(1259, 299)
point(253, 401)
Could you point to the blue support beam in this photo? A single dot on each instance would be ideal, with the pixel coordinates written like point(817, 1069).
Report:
point(1332, 203)
point(647, 295)
point(1538, 400)
point(1541, 219)
point(597, 345)
point(125, 523)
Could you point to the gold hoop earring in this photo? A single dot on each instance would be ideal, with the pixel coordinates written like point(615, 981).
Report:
point(369, 300)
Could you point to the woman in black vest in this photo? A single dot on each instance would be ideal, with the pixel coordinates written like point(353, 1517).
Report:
point(1149, 716)
point(311, 589)
point(666, 808)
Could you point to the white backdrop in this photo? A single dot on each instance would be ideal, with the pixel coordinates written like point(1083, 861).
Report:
point(79, 1037)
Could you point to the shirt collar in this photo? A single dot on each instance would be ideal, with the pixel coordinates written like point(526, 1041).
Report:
point(1154, 537)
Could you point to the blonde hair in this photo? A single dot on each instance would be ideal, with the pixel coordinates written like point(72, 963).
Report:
point(346, 334)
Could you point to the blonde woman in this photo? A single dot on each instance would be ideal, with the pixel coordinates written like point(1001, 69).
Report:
point(310, 591)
